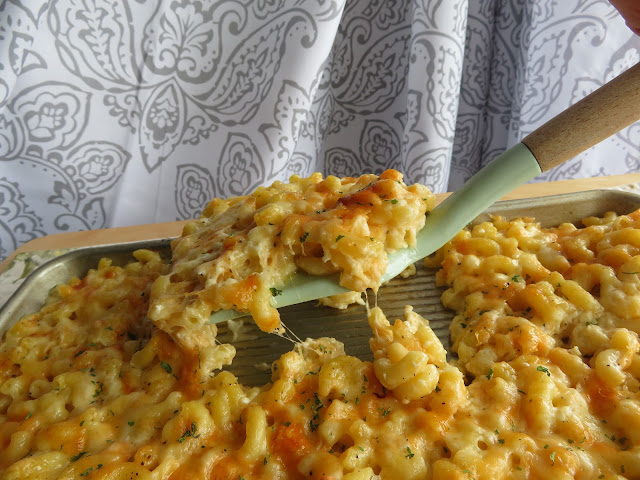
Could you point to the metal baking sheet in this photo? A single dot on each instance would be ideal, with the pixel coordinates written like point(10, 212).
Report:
point(256, 350)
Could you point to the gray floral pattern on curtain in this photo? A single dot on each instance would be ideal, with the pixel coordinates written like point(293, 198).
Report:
point(124, 112)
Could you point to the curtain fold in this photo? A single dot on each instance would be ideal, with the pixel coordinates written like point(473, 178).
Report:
point(124, 112)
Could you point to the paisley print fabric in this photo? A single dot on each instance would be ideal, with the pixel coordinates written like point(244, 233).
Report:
point(124, 112)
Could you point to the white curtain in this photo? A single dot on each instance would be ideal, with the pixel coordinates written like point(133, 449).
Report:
point(124, 112)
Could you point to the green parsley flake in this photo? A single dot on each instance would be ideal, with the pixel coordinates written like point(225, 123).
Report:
point(543, 369)
point(77, 457)
point(275, 291)
point(189, 432)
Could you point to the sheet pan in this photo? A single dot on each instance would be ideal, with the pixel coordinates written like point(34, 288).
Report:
point(256, 350)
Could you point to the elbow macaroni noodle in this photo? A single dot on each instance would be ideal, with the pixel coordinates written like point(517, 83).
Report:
point(544, 382)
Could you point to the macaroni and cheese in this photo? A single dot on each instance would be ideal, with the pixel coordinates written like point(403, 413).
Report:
point(544, 381)
point(237, 254)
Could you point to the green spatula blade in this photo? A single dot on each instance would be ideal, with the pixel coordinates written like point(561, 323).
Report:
point(509, 170)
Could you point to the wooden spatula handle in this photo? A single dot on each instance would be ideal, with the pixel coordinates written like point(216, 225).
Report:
point(599, 115)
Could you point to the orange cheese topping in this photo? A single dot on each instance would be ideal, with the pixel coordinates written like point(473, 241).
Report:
point(544, 384)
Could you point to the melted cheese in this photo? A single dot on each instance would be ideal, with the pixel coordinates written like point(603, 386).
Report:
point(242, 249)
point(545, 384)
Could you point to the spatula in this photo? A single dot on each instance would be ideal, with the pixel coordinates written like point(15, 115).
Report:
point(604, 112)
